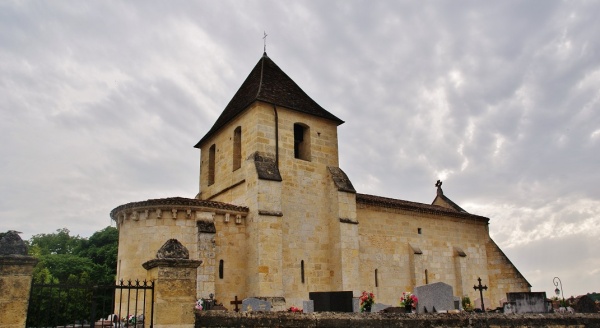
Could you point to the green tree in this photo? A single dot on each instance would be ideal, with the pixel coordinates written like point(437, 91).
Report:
point(59, 242)
point(71, 260)
point(102, 249)
point(63, 256)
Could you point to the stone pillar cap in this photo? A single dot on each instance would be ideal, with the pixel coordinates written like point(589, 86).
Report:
point(12, 244)
point(172, 254)
point(173, 249)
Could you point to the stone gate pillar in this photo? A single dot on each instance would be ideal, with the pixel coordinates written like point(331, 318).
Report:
point(16, 269)
point(175, 279)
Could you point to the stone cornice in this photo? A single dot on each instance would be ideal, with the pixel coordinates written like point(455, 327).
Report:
point(18, 260)
point(179, 204)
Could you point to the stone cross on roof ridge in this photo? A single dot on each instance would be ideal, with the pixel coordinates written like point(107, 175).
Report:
point(438, 184)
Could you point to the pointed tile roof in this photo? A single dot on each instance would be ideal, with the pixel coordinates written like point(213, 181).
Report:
point(268, 83)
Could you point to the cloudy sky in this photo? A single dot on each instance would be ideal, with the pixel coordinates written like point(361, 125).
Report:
point(101, 103)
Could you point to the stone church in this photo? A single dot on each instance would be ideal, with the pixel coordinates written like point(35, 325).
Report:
point(276, 216)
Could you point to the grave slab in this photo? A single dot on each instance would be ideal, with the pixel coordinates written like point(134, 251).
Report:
point(355, 305)
point(534, 302)
point(308, 306)
point(486, 303)
point(438, 295)
point(255, 304)
point(379, 307)
point(332, 301)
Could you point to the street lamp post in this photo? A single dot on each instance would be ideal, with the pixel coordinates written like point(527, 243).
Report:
point(559, 291)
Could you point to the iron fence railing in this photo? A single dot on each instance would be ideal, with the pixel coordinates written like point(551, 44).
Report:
point(124, 304)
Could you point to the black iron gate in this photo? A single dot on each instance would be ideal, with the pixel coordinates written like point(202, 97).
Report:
point(124, 304)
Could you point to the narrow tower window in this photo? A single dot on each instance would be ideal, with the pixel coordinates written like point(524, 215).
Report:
point(302, 270)
point(237, 148)
point(426, 277)
point(211, 165)
point(376, 279)
point(221, 269)
point(301, 141)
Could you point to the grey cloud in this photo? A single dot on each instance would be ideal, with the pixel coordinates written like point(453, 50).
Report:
point(102, 103)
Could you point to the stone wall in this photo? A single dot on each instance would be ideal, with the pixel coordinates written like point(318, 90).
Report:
point(206, 319)
point(410, 249)
point(145, 226)
point(16, 269)
point(290, 222)
point(302, 234)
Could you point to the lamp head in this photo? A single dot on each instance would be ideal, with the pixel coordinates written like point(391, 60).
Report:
point(557, 291)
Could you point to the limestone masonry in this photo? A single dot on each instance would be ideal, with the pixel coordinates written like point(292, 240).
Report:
point(276, 217)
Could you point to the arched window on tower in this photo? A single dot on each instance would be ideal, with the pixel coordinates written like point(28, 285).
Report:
point(237, 148)
point(301, 141)
point(211, 164)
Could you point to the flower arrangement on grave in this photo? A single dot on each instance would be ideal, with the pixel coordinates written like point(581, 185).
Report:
point(130, 320)
point(199, 306)
point(408, 300)
point(366, 301)
point(466, 303)
point(295, 309)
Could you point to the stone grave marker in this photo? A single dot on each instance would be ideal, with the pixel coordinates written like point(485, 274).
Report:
point(355, 305)
point(457, 303)
point(308, 306)
point(584, 304)
point(528, 302)
point(502, 301)
point(434, 297)
point(255, 304)
point(486, 303)
point(332, 301)
point(508, 307)
point(379, 307)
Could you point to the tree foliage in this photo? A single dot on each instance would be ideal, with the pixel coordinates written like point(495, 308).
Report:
point(73, 259)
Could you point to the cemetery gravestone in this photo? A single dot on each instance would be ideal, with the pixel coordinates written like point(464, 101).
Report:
point(585, 304)
point(508, 307)
point(486, 303)
point(255, 304)
point(355, 305)
point(502, 301)
point(434, 297)
point(332, 301)
point(308, 306)
point(528, 302)
point(457, 303)
point(379, 307)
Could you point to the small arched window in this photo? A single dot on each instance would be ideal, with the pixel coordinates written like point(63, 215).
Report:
point(301, 141)
point(211, 164)
point(237, 148)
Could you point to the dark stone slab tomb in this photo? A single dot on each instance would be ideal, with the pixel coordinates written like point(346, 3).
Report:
point(332, 301)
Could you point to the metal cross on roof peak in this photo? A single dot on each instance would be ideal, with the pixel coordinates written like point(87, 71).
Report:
point(265, 41)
